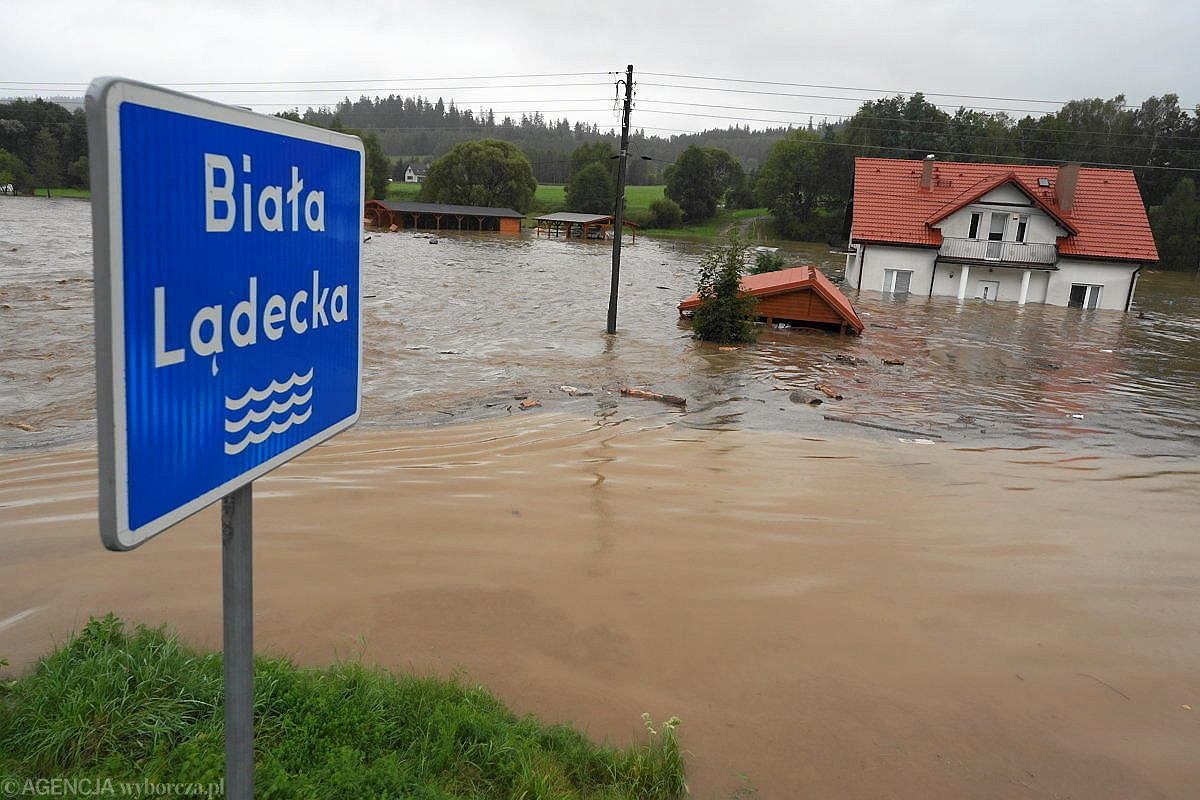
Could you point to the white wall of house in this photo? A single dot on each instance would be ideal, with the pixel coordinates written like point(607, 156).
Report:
point(875, 259)
point(945, 282)
point(1113, 276)
point(1004, 200)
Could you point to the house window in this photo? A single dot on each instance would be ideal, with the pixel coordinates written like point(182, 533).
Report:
point(974, 232)
point(1084, 295)
point(896, 281)
point(999, 223)
point(1022, 227)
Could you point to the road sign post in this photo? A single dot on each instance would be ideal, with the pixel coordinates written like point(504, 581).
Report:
point(228, 327)
point(237, 603)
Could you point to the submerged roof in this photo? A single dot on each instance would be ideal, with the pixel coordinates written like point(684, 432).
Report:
point(794, 279)
point(443, 208)
point(1107, 219)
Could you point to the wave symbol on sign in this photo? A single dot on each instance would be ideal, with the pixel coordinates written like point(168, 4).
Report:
point(289, 405)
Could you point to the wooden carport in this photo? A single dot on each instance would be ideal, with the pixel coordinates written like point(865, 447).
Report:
point(440, 217)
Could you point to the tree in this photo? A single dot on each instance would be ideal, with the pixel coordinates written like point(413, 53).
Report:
point(484, 172)
point(13, 171)
point(665, 213)
point(591, 190)
point(46, 167)
point(791, 181)
point(77, 173)
point(1176, 226)
point(600, 152)
point(378, 167)
point(725, 314)
point(692, 183)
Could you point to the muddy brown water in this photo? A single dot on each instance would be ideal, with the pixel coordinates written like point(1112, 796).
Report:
point(455, 330)
point(834, 611)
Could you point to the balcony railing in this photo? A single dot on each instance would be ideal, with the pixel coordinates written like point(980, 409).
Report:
point(1002, 252)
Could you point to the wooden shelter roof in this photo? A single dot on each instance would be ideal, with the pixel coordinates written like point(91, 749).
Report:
point(407, 207)
point(581, 219)
point(792, 280)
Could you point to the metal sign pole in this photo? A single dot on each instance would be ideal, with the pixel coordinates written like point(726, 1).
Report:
point(237, 600)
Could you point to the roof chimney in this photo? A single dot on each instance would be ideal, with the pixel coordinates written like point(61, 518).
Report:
point(1064, 186)
point(927, 173)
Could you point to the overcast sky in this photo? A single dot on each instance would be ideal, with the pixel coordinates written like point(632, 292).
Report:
point(1021, 50)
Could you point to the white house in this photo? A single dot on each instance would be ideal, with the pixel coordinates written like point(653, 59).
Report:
point(415, 174)
point(1066, 236)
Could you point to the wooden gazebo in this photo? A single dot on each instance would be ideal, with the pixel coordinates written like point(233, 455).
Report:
point(568, 224)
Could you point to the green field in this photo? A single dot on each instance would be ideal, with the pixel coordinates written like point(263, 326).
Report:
point(134, 704)
point(398, 190)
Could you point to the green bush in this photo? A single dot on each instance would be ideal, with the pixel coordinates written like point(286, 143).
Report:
point(130, 705)
point(665, 213)
point(766, 262)
point(725, 315)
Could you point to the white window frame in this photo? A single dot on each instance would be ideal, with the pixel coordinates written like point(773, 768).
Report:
point(890, 277)
point(1091, 295)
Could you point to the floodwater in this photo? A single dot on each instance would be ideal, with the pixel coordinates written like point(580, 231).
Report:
point(997, 599)
point(457, 330)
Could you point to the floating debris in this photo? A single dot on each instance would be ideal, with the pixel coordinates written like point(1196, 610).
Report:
point(645, 394)
point(807, 398)
point(528, 404)
point(828, 391)
point(575, 391)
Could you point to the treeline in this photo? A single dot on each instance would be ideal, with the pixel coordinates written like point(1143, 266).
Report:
point(42, 144)
point(802, 175)
point(418, 130)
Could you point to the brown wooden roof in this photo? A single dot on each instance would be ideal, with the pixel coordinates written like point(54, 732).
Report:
point(795, 279)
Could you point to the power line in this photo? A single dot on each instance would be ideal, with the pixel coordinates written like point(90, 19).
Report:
point(867, 89)
point(991, 156)
point(1014, 141)
point(390, 89)
point(949, 123)
point(351, 81)
point(831, 97)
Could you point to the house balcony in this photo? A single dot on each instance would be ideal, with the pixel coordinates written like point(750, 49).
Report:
point(1030, 255)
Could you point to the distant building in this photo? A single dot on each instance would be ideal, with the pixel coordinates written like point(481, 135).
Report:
point(1066, 236)
point(415, 173)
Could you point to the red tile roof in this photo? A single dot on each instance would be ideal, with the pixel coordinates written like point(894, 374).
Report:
point(791, 280)
point(1108, 216)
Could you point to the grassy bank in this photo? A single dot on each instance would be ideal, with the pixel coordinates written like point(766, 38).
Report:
point(64, 191)
point(712, 228)
point(134, 704)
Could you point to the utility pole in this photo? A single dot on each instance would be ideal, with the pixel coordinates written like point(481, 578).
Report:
point(620, 209)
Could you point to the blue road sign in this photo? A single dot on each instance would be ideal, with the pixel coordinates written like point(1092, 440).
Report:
point(228, 324)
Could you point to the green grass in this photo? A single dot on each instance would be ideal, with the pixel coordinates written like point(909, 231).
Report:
point(398, 190)
point(712, 228)
point(63, 191)
point(133, 704)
